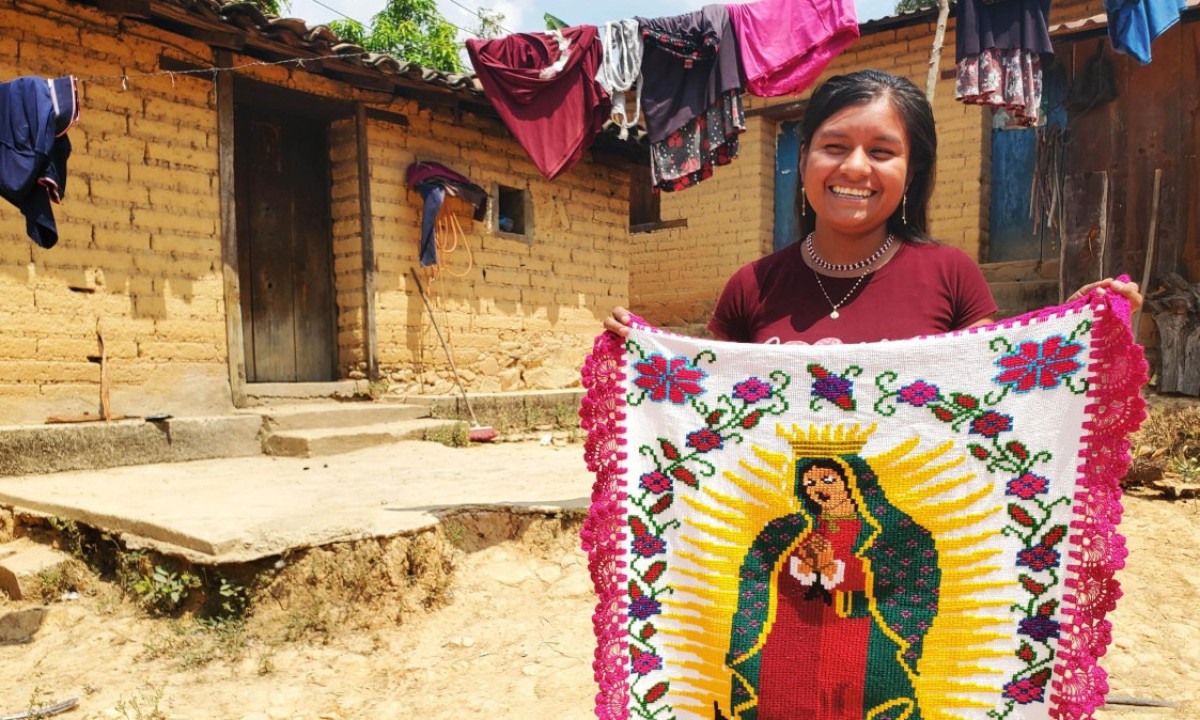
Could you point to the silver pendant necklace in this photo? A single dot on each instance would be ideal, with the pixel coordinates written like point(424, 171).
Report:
point(835, 305)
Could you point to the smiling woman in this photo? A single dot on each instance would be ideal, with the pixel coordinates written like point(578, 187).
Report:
point(865, 268)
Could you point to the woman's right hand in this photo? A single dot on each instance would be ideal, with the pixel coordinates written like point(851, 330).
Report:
point(618, 322)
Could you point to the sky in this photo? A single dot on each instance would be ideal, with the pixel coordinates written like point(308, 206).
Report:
point(526, 15)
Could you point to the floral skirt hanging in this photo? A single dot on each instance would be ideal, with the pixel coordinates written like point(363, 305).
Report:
point(1008, 79)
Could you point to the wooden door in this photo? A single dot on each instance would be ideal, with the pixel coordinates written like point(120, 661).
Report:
point(285, 250)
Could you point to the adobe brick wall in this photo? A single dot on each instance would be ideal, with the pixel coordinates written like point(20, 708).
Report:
point(140, 249)
point(519, 313)
point(138, 255)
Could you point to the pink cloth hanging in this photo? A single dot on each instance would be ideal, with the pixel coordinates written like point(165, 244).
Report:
point(785, 45)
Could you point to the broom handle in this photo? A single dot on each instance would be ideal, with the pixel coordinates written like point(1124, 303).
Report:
point(445, 347)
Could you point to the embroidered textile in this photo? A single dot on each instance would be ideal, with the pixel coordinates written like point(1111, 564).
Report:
point(900, 530)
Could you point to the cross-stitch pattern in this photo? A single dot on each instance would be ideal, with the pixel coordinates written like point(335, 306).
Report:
point(890, 531)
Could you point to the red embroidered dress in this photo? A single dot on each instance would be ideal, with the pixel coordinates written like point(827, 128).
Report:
point(814, 659)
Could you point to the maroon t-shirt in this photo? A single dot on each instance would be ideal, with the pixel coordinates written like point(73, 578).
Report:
point(923, 290)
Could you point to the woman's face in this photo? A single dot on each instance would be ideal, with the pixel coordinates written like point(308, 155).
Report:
point(855, 168)
point(824, 487)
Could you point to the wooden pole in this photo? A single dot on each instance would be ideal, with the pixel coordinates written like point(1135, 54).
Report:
point(1150, 242)
point(370, 333)
point(935, 53)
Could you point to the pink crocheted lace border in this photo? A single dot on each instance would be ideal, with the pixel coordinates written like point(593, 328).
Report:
point(1117, 371)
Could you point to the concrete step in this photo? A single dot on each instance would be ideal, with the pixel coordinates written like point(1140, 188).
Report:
point(315, 416)
point(331, 441)
point(300, 392)
point(37, 449)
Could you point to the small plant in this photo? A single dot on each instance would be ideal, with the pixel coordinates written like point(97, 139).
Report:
point(164, 590)
point(145, 706)
point(70, 538)
point(1186, 466)
point(456, 435)
point(456, 534)
point(232, 599)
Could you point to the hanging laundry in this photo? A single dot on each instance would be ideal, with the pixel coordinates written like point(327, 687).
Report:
point(1134, 24)
point(689, 154)
point(35, 115)
point(785, 45)
point(689, 61)
point(621, 71)
point(998, 52)
point(691, 95)
point(434, 182)
point(544, 88)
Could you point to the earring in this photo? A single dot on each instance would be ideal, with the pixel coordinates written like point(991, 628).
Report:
point(904, 209)
point(803, 204)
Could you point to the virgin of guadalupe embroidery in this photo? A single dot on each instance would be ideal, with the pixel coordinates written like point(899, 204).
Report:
point(892, 531)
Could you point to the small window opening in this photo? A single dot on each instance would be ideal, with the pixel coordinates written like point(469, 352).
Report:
point(510, 210)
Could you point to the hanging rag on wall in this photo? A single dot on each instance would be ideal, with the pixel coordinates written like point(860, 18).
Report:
point(1134, 24)
point(691, 95)
point(999, 50)
point(621, 71)
point(35, 115)
point(555, 109)
point(434, 181)
point(1095, 85)
point(785, 45)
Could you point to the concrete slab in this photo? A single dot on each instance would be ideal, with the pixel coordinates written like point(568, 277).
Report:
point(28, 449)
point(335, 440)
point(242, 509)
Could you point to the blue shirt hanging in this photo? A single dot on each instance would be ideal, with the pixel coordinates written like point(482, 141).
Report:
point(1134, 24)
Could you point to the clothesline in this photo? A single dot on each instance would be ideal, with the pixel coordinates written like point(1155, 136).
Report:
point(299, 62)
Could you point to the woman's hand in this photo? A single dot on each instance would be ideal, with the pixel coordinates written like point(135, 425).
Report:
point(1127, 290)
point(618, 322)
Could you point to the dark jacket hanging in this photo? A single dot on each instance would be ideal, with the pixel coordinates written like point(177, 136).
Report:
point(35, 114)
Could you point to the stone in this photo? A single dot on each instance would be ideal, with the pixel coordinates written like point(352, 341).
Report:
point(20, 563)
point(19, 626)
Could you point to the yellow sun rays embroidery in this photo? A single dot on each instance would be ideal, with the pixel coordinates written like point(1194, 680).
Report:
point(929, 485)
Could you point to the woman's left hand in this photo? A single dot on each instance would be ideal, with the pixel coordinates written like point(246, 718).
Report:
point(1127, 290)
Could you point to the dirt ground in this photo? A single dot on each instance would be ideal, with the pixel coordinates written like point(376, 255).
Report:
point(496, 624)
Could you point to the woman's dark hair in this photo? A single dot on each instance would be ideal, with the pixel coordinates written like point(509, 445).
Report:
point(860, 88)
point(824, 463)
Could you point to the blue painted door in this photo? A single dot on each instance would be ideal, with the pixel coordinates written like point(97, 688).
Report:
point(787, 181)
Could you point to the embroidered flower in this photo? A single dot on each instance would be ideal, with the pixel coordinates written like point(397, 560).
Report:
point(1028, 485)
point(644, 607)
point(752, 390)
point(1038, 557)
point(704, 440)
point(1039, 627)
point(673, 379)
point(649, 545)
point(919, 393)
point(646, 662)
point(991, 424)
point(1023, 691)
point(655, 482)
point(1039, 365)
point(833, 388)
